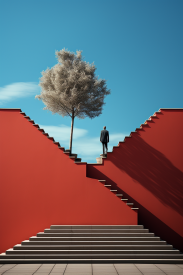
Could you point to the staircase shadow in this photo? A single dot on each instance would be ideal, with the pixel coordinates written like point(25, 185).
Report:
point(151, 169)
point(148, 167)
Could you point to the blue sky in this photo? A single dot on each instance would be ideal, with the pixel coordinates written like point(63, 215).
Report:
point(136, 46)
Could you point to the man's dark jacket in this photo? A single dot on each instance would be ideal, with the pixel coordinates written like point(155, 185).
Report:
point(104, 136)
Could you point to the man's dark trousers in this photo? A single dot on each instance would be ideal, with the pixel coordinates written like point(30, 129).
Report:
point(104, 147)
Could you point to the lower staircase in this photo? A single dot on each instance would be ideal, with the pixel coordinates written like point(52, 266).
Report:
point(93, 243)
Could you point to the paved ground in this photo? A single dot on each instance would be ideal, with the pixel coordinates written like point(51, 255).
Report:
point(91, 269)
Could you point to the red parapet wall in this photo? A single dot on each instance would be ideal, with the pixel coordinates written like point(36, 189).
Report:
point(148, 169)
point(41, 186)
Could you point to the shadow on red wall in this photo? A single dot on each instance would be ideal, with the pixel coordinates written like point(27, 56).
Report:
point(152, 170)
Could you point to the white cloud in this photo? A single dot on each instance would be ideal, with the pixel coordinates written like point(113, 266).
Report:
point(62, 133)
point(87, 148)
point(18, 90)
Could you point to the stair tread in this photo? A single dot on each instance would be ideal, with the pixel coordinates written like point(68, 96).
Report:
point(92, 260)
point(17, 252)
point(102, 254)
point(94, 230)
point(113, 242)
point(98, 246)
point(93, 250)
point(130, 237)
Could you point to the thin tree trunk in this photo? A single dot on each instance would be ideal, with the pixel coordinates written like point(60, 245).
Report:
point(72, 126)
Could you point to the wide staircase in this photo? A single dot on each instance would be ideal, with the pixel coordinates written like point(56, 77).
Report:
point(93, 243)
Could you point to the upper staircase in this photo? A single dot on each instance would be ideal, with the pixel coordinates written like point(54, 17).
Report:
point(65, 151)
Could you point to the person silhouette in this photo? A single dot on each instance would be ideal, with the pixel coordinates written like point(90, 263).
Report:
point(104, 138)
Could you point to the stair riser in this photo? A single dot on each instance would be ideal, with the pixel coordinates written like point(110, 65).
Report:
point(90, 252)
point(93, 238)
point(51, 256)
point(96, 227)
point(107, 235)
point(160, 243)
point(72, 247)
point(89, 261)
point(91, 231)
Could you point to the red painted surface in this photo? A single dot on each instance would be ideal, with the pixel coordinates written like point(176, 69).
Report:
point(148, 169)
point(41, 186)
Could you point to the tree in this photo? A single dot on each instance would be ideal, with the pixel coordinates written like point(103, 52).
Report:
point(70, 88)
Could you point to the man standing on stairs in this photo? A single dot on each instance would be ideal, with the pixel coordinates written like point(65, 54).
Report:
point(104, 138)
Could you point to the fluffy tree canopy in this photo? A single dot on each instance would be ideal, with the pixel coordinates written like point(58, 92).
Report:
point(70, 88)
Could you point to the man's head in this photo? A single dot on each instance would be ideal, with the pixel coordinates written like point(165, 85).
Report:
point(104, 127)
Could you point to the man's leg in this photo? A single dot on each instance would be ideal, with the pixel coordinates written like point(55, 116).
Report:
point(106, 148)
point(103, 144)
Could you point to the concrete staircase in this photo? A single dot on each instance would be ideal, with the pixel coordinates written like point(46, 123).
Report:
point(120, 196)
point(93, 243)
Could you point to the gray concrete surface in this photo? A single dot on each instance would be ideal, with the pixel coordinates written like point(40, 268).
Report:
point(91, 269)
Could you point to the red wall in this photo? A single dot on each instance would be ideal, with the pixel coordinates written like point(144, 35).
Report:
point(41, 186)
point(148, 169)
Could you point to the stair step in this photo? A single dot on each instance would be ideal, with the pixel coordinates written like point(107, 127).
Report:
point(91, 252)
point(93, 231)
point(50, 238)
point(57, 143)
point(92, 247)
point(139, 243)
point(36, 125)
point(78, 160)
point(91, 256)
point(62, 148)
point(74, 155)
point(95, 234)
point(51, 138)
point(145, 125)
point(90, 261)
point(96, 227)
